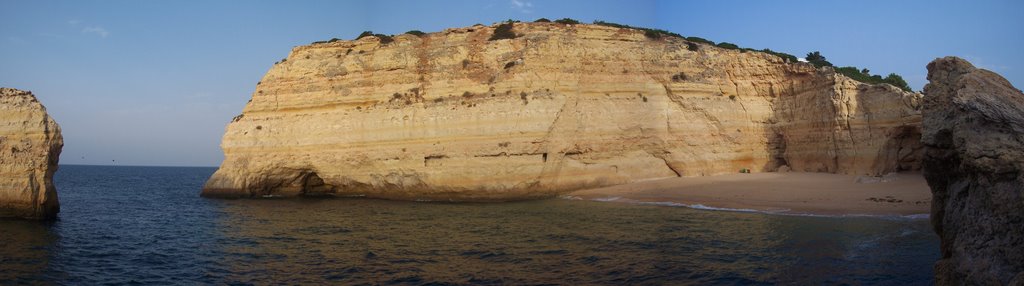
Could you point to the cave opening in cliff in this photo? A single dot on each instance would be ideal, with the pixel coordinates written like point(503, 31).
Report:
point(313, 185)
point(909, 149)
point(780, 162)
point(777, 147)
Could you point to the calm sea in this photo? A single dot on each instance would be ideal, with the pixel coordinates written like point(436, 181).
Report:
point(148, 225)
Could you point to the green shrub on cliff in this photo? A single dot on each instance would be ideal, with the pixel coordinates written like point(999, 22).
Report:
point(567, 21)
point(652, 34)
point(858, 75)
point(503, 31)
point(417, 33)
point(864, 76)
point(897, 81)
point(328, 41)
point(789, 58)
point(699, 40)
point(692, 46)
point(727, 45)
point(542, 20)
point(861, 75)
point(816, 59)
point(648, 32)
point(384, 39)
point(364, 34)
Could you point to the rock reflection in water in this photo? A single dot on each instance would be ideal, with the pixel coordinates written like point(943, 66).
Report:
point(358, 240)
point(25, 248)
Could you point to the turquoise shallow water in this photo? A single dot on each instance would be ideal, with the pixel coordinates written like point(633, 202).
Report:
point(147, 225)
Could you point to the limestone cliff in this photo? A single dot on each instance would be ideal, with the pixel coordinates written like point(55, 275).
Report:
point(30, 144)
point(974, 162)
point(454, 116)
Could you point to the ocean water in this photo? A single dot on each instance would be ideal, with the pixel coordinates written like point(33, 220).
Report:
point(147, 225)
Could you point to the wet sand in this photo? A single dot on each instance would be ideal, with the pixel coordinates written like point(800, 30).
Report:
point(787, 193)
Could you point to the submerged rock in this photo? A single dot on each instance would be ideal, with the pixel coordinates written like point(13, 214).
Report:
point(455, 116)
point(30, 144)
point(973, 134)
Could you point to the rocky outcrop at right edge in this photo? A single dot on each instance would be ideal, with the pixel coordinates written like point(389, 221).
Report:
point(973, 132)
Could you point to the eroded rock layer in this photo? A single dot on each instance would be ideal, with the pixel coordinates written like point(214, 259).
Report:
point(453, 116)
point(30, 144)
point(974, 162)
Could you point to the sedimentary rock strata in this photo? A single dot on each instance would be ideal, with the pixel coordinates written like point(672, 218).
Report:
point(454, 116)
point(30, 144)
point(973, 133)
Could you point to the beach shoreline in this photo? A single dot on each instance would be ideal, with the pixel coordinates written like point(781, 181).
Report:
point(898, 194)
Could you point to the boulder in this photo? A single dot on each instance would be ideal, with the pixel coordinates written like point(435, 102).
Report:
point(973, 135)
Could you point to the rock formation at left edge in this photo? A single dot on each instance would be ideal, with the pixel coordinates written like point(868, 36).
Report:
point(30, 145)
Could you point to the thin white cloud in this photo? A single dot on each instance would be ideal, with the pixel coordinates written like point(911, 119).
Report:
point(99, 31)
point(522, 5)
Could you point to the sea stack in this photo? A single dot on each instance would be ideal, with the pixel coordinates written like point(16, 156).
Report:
point(540, 109)
point(974, 163)
point(30, 144)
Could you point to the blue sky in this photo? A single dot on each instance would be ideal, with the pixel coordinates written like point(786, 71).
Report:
point(155, 82)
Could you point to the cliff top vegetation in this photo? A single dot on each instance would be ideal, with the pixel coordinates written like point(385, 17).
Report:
point(504, 30)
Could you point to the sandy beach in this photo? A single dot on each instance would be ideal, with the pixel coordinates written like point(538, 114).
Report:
point(786, 193)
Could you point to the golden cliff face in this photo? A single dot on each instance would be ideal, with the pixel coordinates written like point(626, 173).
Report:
point(30, 144)
point(453, 116)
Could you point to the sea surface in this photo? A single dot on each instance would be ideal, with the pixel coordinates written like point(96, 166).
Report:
point(148, 226)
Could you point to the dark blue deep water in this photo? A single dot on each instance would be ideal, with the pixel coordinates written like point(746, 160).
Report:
point(148, 225)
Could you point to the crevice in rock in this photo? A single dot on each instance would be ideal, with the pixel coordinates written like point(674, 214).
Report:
point(503, 154)
point(663, 159)
point(427, 159)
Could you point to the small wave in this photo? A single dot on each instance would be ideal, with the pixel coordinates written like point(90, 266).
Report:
point(861, 247)
point(881, 216)
point(703, 207)
point(699, 206)
point(571, 198)
point(907, 232)
point(608, 199)
point(917, 216)
point(666, 204)
point(770, 211)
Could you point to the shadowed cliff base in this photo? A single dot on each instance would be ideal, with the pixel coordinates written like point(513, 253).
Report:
point(974, 162)
point(461, 115)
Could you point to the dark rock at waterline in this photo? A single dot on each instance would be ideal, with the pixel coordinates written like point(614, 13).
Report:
point(973, 132)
